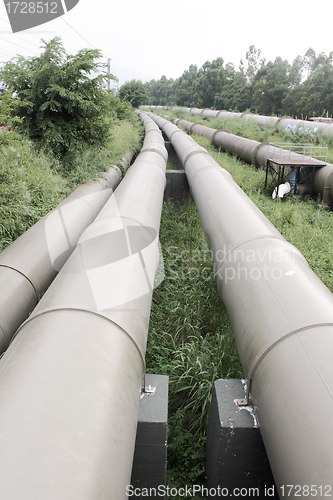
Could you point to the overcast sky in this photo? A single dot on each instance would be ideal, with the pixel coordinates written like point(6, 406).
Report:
point(146, 39)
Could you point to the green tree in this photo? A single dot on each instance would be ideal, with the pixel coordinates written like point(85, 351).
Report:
point(236, 94)
point(253, 63)
point(60, 98)
point(271, 86)
point(186, 87)
point(161, 91)
point(211, 79)
point(133, 92)
point(314, 96)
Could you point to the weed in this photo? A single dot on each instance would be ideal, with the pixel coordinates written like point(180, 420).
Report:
point(190, 340)
point(33, 183)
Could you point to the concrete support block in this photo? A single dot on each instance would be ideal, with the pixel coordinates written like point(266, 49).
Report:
point(235, 454)
point(177, 188)
point(150, 454)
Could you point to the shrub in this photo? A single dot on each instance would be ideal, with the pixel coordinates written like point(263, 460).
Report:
point(61, 104)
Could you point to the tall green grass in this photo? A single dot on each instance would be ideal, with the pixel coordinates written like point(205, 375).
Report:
point(190, 340)
point(190, 337)
point(29, 186)
point(86, 165)
point(33, 183)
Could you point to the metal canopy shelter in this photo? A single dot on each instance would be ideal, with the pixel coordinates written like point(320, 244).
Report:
point(303, 158)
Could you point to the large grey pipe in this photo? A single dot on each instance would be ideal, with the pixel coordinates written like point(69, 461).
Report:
point(282, 319)
point(256, 153)
point(71, 379)
point(282, 121)
point(30, 263)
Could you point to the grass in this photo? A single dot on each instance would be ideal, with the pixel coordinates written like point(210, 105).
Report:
point(29, 186)
point(189, 339)
point(87, 165)
point(32, 183)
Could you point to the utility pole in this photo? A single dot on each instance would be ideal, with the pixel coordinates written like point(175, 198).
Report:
point(109, 71)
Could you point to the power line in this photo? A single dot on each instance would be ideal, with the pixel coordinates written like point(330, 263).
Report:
point(79, 34)
point(86, 40)
point(26, 31)
point(13, 34)
point(5, 55)
point(8, 41)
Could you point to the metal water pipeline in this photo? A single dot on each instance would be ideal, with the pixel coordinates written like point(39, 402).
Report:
point(30, 263)
point(195, 128)
point(71, 380)
point(283, 121)
point(245, 149)
point(282, 319)
point(212, 113)
point(196, 111)
point(326, 128)
point(256, 153)
point(261, 120)
point(228, 114)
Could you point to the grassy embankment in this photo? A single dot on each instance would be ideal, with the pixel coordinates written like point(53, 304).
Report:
point(32, 183)
point(190, 337)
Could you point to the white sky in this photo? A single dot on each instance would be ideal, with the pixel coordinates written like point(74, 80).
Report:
point(148, 38)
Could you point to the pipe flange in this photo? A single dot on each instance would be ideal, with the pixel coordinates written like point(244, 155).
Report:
point(255, 152)
point(153, 150)
point(281, 118)
point(118, 170)
point(216, 131)
point(245, 113)
point(190, 128)
point(192, 153)
point(174, 132)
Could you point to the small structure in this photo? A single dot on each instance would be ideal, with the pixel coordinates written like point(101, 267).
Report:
point(294, 164)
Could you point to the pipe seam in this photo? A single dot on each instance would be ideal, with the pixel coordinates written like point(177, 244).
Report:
point(153, 150)
point(117, 169)
point(89, 311)
point(261, 237)
point(192, 153)
point(214, 134)
point(148, 161)
point(75, 198)
point(206, 167)
point(174, 132)
point(3, 333)
point(277, 342)
point(26, 277)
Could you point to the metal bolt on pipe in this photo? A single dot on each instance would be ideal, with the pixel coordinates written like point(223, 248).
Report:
point(71, 380)
point(30, 263)
point(282, 319)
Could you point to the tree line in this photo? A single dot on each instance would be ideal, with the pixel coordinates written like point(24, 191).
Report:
point(301, 89)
